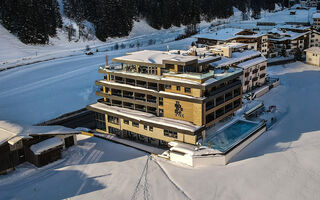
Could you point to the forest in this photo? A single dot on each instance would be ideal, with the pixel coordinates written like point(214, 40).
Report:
point(35, 21)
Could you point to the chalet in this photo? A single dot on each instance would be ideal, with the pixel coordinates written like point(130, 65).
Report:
point(37, 145)
point(287, 42)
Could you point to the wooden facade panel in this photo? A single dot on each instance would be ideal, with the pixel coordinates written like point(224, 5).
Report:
point(183, 110)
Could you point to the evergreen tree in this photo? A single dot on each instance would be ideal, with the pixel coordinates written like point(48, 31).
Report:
point(298, 54)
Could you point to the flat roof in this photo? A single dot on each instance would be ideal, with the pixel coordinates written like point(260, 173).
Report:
point(146, 117)
point(157, 57)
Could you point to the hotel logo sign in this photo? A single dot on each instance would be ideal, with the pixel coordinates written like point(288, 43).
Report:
point(178, 110)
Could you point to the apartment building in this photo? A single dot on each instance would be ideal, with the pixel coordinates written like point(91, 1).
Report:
point(314, 39)
point(252, 62)
point(158, 97)
point(316, 21)
point(256, 41)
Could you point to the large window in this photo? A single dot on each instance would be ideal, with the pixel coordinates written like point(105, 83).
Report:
point(100, 121)
point(113, 120)
point(170, 133)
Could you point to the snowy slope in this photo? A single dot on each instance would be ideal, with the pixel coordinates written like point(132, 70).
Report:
point(281, 164)
point(42, 91)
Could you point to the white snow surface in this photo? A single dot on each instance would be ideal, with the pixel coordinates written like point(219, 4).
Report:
point(281, 164)
point(45, 145)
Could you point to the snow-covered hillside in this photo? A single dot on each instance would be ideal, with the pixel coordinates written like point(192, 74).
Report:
point(281, 164)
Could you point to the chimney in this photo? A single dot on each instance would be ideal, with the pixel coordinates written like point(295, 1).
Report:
point(107, 61)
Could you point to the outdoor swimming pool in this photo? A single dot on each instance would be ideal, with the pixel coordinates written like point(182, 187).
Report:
point(230, 136)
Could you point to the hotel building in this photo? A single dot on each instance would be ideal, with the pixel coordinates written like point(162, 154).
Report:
point(158, 97)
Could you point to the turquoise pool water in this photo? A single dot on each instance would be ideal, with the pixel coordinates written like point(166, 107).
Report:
point(231, 135)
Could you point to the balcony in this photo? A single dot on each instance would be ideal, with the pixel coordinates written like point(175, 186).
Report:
point(128, 95)
point(238, 82)
point(151, 99)
point(140, 108)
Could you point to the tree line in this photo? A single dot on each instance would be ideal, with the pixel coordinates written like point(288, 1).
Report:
point(34, 21)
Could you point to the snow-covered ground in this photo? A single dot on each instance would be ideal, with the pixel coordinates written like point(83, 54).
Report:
point(281, 164)
point(45, 90)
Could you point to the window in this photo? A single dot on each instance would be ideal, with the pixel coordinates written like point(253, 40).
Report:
point(150, 128)
point(100, 121)
point(160, 101)
point(178, 88)
point(170, 134)
point(145, 127)
point(135, 124)
point(126, 121)
point(113, 120)
point(168, 87)
point(187, 90)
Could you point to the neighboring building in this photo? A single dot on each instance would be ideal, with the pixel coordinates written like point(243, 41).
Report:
point(313, 56)
point(158, 97)
point(17, 143)
point(309, 3)
point(288, 41)
point(254, 40)
point(314, 39)
point(316, 21)
point(253, 63)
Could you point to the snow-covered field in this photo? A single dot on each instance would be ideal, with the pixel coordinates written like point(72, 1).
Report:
point(282, 164)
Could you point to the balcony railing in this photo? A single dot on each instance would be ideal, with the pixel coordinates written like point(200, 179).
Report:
point(140, 98)
point(225, 88)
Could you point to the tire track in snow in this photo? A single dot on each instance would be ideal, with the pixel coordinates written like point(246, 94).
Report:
point(146, 194)
point(171, 181)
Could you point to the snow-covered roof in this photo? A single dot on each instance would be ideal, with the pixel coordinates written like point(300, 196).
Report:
point(315, 50)
point(227, 34)
point(232, 45)
point(155, 57)
point(236, 57)
point(223, 34)
point(252, 62)
point(146, 117)
point(9, 131)
point(45, 145)
point(287, 35)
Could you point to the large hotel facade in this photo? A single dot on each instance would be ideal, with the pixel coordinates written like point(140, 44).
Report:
point(158, 97)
